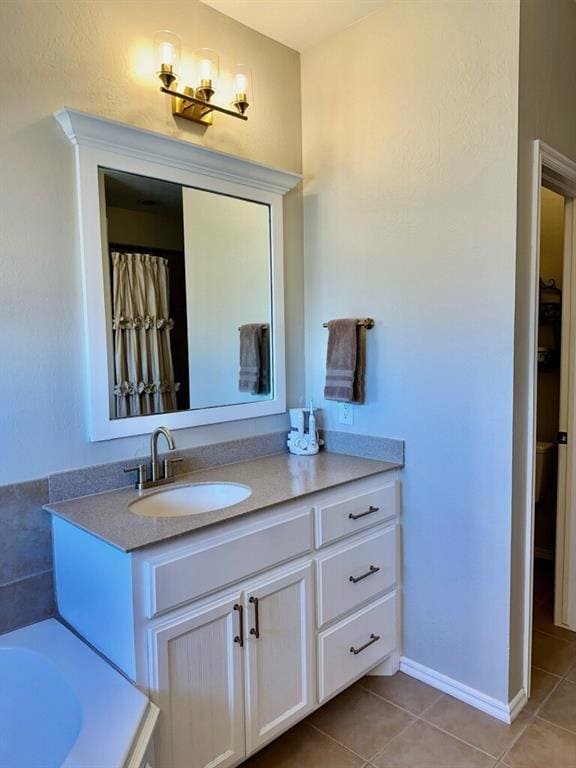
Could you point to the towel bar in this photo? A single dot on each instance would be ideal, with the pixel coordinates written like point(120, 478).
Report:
point(265, 327)
point(368, 323)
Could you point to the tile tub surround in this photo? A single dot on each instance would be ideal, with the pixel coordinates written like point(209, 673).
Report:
point(273, 480)
point(26, 593)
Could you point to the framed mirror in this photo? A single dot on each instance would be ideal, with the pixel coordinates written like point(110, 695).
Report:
point(183, 280)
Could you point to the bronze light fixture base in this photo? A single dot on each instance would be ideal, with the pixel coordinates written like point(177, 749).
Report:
point(167, 75)
point(189, 106)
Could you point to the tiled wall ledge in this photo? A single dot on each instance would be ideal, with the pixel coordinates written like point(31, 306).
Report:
point(367, 446)
point(26, 579)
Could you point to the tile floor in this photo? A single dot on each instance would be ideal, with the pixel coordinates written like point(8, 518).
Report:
point(398, 722)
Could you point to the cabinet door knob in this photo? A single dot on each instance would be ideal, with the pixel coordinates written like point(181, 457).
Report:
point(240, 636)
point(256, 628)
point(369, 511)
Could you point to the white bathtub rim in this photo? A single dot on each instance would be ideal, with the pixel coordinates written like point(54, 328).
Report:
point(114, 712)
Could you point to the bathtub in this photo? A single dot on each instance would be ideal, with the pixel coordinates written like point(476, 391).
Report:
point(63, 706)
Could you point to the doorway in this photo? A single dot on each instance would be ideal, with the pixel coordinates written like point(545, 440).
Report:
point(551, 391)
point(552, 492)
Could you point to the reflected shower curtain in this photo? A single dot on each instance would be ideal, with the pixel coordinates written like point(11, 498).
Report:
point(144, 372)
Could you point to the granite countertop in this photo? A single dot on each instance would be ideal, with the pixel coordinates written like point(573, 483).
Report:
point(273, 479)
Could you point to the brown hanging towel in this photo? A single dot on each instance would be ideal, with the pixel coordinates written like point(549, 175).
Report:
point(345, 361)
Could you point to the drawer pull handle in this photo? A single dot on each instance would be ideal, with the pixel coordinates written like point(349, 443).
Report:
point(373, 639)
point(369, 572)
point(240, 637)
point(369, 511)
point(256, 628)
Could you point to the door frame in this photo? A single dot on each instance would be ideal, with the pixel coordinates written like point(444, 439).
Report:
point(557, 172)
point(565, 570)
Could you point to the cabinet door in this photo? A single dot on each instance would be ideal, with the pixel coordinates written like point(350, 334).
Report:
point(280, 660)
point(196, 679)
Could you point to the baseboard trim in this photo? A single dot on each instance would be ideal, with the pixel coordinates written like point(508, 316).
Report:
point(517, 704)
point(493, 707)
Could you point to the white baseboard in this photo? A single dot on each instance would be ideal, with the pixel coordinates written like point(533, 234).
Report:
point(498, 709)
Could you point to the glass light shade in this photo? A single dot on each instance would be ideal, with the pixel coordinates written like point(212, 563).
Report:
point(242, 88)
point(207, 67)
point(167, 47)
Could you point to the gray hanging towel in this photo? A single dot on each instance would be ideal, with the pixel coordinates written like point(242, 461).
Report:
point(254, 359)
point(345, 361)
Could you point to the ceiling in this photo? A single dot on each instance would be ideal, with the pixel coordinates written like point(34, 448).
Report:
point(140, 193)
point(298, 24)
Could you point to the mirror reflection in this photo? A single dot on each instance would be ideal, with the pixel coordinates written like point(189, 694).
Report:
point(189, 309)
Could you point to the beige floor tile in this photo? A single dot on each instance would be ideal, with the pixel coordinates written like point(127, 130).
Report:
point(572, 675)
point(552, 654)
point(304, 747)
point(542, 684)
point(560, 708)
point(543, 745)
point(361, 721)
point(402, 690)
point(475, 727)
point(423, 746)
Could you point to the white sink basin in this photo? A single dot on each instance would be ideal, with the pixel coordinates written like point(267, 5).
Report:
point(190, 499)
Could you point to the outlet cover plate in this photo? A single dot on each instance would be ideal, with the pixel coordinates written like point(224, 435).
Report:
point(346, 413)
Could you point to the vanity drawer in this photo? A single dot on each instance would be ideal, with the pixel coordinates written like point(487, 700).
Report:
point(355, 574)
point(348, 516)
point(187, 574)
point(355, 645)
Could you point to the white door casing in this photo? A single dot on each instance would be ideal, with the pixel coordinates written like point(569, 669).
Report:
point(557, 172)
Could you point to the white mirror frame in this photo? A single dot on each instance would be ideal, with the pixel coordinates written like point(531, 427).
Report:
point(105, 143)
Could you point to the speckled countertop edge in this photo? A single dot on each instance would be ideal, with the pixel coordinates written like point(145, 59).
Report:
point(274, 479)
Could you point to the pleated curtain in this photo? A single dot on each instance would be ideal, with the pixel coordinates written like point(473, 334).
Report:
point(144, 371)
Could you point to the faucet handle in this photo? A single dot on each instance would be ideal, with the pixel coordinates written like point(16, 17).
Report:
point(168, 463)
point(142, 473)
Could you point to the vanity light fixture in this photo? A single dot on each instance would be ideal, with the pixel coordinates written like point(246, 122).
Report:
point(194, 101)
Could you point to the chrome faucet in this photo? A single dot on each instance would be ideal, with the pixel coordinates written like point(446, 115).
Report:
point(154, 450)
point(156, 476)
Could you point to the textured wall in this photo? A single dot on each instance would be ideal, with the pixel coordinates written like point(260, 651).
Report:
point(96, 57)
point(547, 111)
point(410, 208)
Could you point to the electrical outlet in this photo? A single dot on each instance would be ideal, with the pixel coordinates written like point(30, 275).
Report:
point(346, 413)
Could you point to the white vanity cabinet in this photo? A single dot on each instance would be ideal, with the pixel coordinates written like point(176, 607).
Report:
point(234, 673)
point(238, 631)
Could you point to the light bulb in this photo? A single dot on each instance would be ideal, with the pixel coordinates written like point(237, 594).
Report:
point(240, 83)
point(167, 53)
point(205, 69)
point(167, 47)
point(243, 95)
point(207, 66)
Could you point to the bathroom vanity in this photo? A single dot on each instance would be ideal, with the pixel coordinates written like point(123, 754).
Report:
point(239, 622)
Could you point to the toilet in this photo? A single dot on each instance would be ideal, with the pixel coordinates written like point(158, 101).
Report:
point(544, 465)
